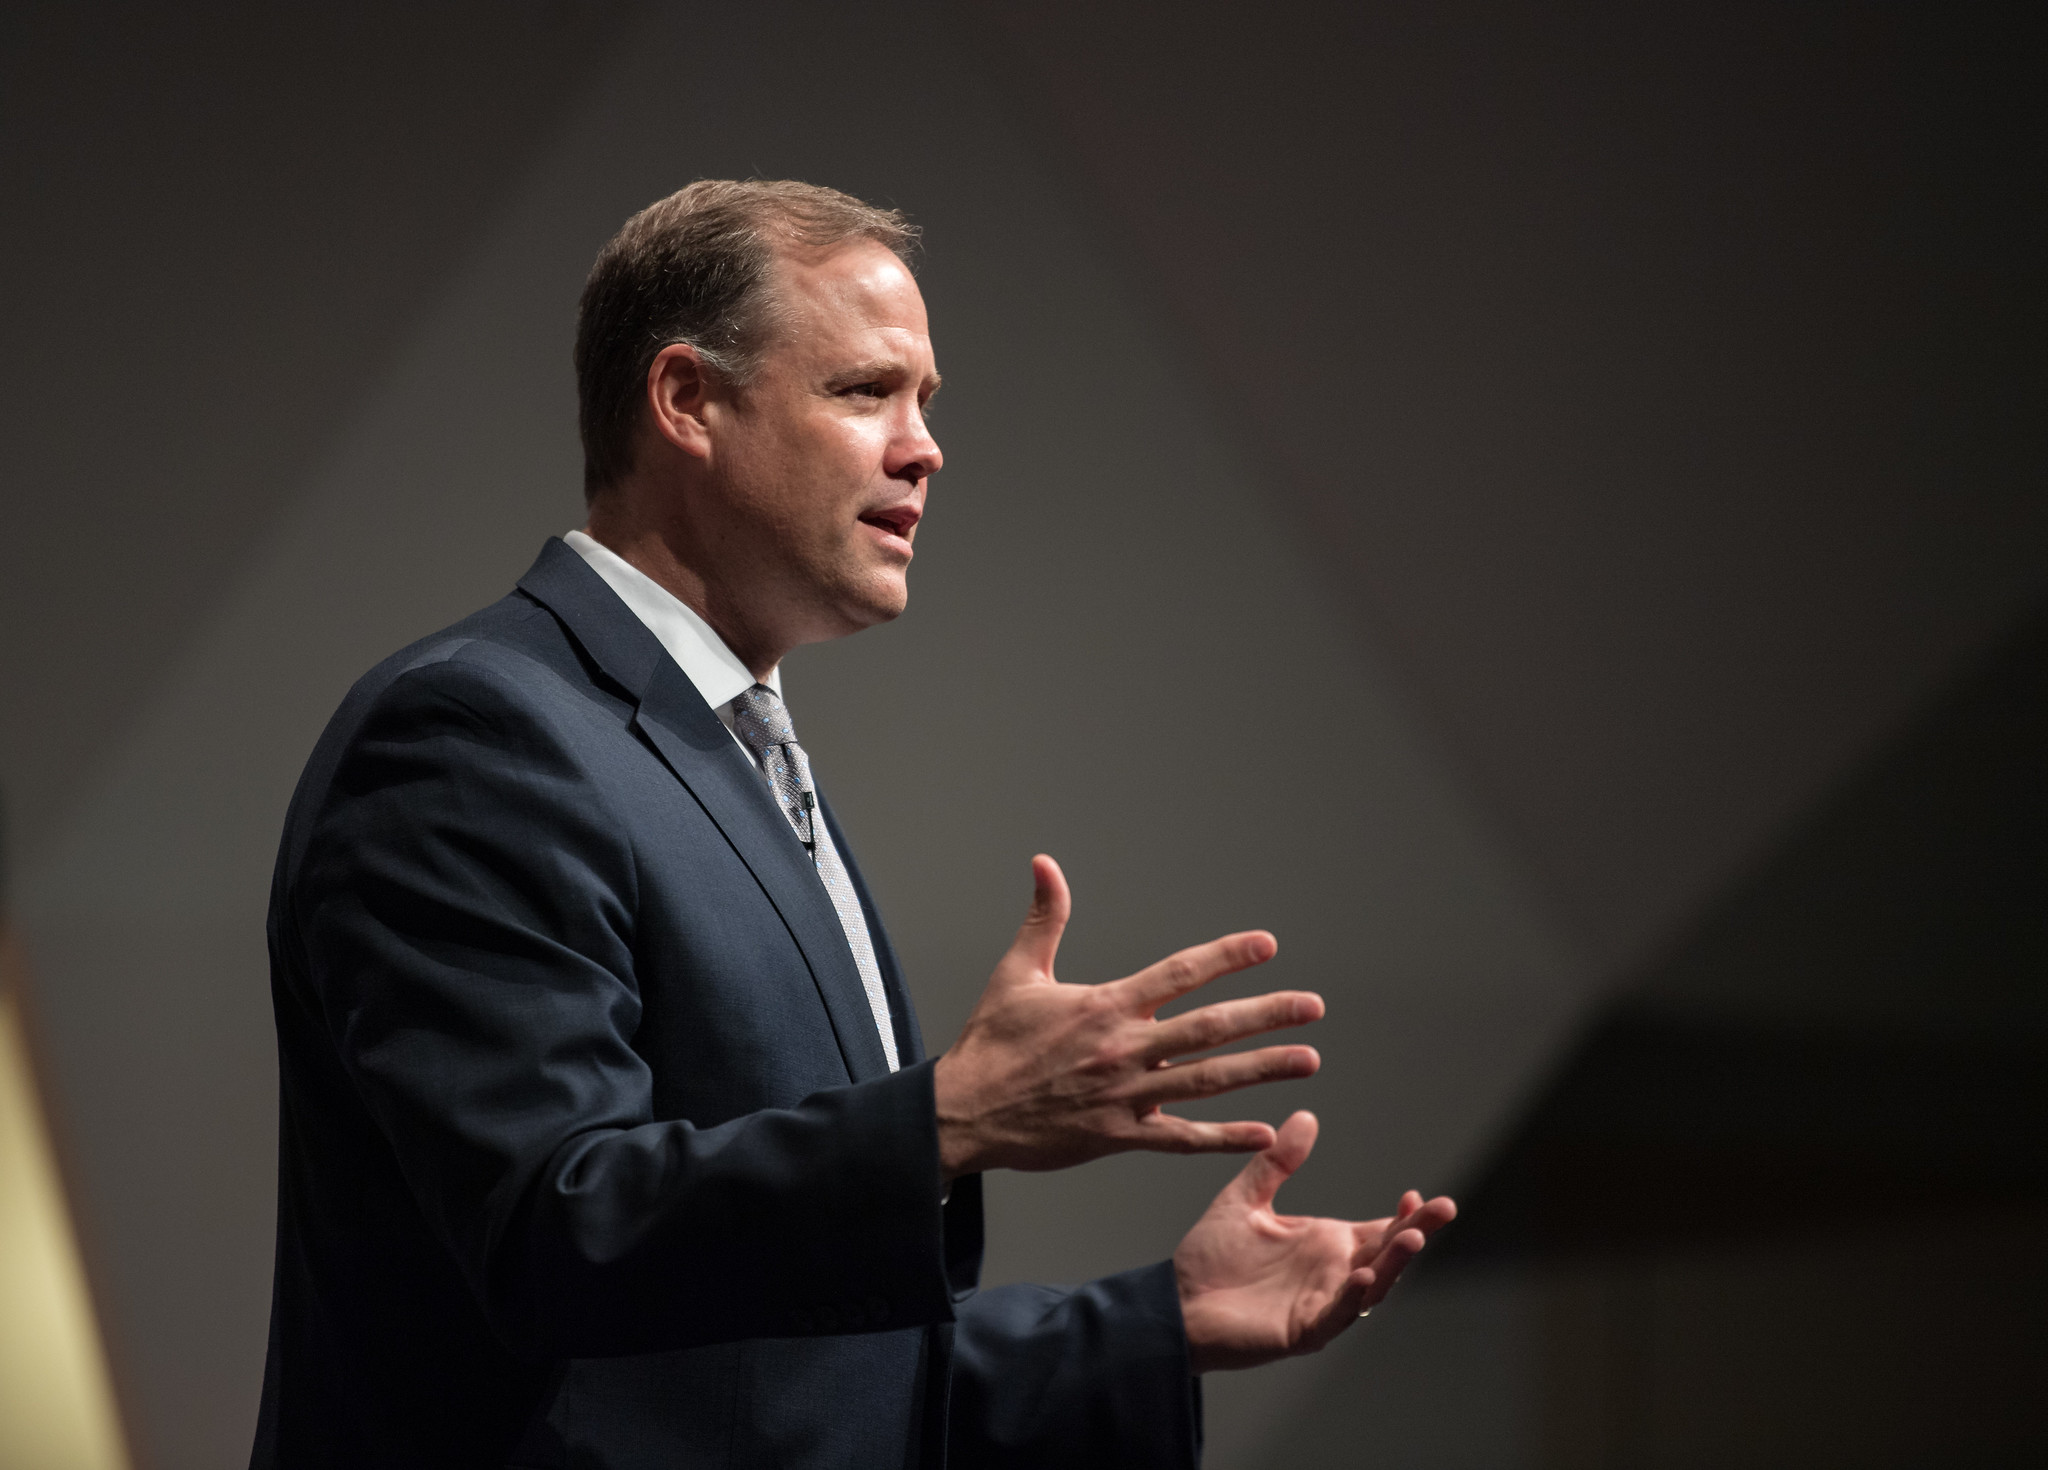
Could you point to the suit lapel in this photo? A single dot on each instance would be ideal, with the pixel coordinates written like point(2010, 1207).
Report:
point(673, 717)
point(909, 1039)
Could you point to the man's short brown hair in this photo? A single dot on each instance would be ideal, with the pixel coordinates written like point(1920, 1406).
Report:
point(694, 268)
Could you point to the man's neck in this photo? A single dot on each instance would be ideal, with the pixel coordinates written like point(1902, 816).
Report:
point(647, 551)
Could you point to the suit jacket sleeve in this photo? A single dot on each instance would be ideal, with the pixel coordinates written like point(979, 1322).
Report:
point(462, 918)
point(1092, 1377)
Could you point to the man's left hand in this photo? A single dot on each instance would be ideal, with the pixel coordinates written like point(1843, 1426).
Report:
point(1256, 1285)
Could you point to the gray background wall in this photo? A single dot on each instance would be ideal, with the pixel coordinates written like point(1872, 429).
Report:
point(1620, 429)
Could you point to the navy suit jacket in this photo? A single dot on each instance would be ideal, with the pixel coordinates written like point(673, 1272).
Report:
point(589, 1152)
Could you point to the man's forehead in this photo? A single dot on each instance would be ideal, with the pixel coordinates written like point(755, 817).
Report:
point(860, 285)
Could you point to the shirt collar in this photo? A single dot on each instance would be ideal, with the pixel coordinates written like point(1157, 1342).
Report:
point(718, 674)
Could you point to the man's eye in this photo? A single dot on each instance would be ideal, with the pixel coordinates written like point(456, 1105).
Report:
point(867, 390)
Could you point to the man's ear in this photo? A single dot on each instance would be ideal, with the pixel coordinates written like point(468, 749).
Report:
point(679, 385)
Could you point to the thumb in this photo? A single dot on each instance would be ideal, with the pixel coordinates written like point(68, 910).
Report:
point(1038, 940)
point(1260, 1180)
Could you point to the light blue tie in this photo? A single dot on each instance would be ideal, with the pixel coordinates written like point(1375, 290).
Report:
point(762, 721)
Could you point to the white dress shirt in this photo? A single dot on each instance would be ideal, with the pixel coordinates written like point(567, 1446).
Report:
point(716, 671)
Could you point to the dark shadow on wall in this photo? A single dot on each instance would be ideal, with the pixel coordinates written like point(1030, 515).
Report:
point(1785, 1200)
point(1862, 1026)
point(1664, 1133)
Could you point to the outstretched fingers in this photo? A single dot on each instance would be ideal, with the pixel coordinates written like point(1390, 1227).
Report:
point(1428, 1217)
point(1387, 1246)
point(1190, 969)
point(1168, 1133)
point(1214, 1076)
point(1227, 1021)
point(1390, 1262)
point(1412, 1213)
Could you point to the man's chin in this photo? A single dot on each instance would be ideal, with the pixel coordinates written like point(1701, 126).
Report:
point(885, 610)
point(871, 605)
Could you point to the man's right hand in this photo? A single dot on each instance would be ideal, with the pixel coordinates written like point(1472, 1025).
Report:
point(1046, 1075)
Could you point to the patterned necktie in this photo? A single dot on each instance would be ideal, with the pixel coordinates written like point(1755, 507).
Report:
point(763, 723)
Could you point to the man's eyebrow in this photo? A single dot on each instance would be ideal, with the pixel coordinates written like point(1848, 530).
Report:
point(880, 367)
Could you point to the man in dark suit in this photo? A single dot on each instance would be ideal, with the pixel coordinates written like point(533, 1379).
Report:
point(608, 1135)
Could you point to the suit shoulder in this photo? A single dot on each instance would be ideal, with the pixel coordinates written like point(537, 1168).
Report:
point(515, 642)
point(510, 655)
point(515, 624)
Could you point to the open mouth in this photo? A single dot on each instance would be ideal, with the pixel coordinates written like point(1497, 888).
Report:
point(897, 520)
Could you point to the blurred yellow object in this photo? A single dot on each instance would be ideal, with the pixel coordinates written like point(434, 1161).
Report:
point(56, 1403)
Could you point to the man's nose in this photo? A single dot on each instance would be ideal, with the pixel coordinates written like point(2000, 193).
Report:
point(916, 454)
